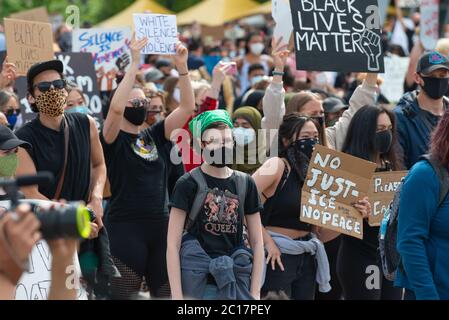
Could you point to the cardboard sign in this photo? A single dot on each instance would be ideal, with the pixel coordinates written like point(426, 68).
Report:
point(161, 31)
point(383, 187)
point(335, 35)
point(429, 24)
point(110, 50)
point(334, 182)
point(395, 71)
point(37, 14)
point(283, 18)
point(28, 42)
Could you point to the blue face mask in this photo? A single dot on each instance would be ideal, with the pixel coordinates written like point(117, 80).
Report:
point(244, 136)
point(78, 109)
point(12, 120)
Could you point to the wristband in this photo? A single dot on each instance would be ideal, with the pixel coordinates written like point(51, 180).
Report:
point(278, 73)
point(184, 74)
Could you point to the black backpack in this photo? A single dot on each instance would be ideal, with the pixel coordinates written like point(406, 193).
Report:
point(391, 259)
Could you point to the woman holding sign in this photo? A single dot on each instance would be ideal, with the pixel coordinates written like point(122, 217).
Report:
point(138, 163)
point(371, 136)
point(296, 258)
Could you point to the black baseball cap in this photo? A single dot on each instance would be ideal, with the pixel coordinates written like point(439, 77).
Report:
point(8, 140)
point(432, 61)
point(333, 104)
point(40, 67)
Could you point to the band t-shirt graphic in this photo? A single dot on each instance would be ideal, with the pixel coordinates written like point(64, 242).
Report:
point(218, 227)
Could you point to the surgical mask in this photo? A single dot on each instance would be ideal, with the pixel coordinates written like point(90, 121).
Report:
point(177, 95)
point(135, 115)
point(435, 88)
point(51, 102)
point(12, 120)
point(8, 165)
point(255, 80)
point(305, 146)
point(78, 109)
point(244, 136)
point(257, 48)
point(220, 157)
point(383, 141)
point(321, 79)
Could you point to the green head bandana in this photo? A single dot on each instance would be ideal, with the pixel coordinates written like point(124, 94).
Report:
point(199, 124)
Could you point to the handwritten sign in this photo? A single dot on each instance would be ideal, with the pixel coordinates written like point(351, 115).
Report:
point(28, 42)
point(395, 71)
point(35, 284)
point(283, 18)
point(337, 35)
point(383, 187)
point(429, 24)
point(110, 51)
point(37, 14)
point(161, 31)
point(334, 182)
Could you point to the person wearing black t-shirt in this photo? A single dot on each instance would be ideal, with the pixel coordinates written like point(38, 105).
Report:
point(218, 227)
point(84, 168)
point(137, 163)
point(371, 136)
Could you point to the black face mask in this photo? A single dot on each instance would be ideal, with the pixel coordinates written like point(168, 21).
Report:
point(305, 146)
point(135, 115)
point(435, 88)
point(219, 158)
point(383, 141)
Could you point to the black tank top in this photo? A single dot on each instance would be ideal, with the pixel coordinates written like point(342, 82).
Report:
point(283, 209)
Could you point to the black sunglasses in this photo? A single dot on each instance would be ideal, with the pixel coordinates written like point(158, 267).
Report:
point(136, 103)
point(46, 85)
point(12, 111)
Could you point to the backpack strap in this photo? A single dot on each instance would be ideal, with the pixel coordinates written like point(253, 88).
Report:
point(241, 184)
point(443, 176)
point(200, 197)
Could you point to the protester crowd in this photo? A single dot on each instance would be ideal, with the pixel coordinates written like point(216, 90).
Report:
point(174, 211)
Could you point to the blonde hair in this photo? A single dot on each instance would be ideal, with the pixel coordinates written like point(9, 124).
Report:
point(443, 47)
point(299, 100)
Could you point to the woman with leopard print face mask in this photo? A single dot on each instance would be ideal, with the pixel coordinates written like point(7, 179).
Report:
point(138, 162)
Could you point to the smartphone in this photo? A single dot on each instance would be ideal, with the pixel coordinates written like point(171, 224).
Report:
point(233, 69)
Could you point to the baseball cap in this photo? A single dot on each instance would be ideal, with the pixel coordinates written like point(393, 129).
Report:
point(432, 61)
point(40, 67)
point(8, 140)
point(333, 104)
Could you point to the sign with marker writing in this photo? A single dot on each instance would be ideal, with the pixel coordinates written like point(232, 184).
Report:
point(28, 42)
point(37, 14)
point(335, 181)
point(395, 71)
point(383, 187)
point(161, 31)
point(336, 35)
point(429, 24)
point(110, 51)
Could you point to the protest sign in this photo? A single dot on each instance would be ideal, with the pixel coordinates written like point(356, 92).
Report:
point(161, 31)
point(383, 187)
point(337, 35)
point(335, 181)
point(110, 50)
point(37, 14)
point(283, 18)
point(28, 42)
point(429, 24)
point(395, 71)
point(409, 3)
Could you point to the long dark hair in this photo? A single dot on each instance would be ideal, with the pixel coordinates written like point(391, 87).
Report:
point(291, 126)
point(439, 143)
point(361, 137)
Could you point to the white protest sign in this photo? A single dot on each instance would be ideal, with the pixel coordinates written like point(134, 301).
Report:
point(409, 3)
point(110, 51)
point(395, 71)
point(429, 24)
point(35, 284)
point(161, 31)
point(282, 16)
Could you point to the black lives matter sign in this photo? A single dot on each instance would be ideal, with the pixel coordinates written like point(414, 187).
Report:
point(337, 35)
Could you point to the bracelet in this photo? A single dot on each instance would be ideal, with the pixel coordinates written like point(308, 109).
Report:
point(184, 74)
point(278, 73)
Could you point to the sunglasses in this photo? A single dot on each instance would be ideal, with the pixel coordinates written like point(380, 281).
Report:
point(11, 111)
point(46, 85)
point(136, 103)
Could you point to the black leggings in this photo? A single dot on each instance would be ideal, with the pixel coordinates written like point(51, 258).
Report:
point(355, 267)
point(332, 248)
point(139, 249)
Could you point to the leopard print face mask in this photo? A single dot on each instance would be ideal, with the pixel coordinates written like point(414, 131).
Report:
point(51, 102)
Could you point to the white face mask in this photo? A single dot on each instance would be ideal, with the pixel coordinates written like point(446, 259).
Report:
point(255, 80)
point(321, 79)
point(244, 136)
point(177, 95)
point(257, 48)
